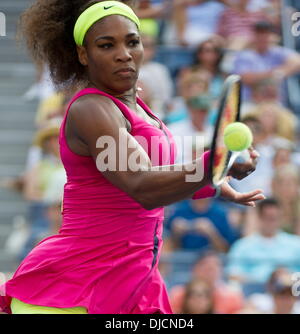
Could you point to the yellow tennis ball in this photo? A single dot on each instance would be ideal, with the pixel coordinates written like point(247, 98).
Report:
point(237, 137)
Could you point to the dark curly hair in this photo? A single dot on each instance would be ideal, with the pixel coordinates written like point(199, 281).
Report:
point(47, 27)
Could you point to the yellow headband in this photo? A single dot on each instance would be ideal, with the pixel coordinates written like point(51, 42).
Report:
point(99, 11)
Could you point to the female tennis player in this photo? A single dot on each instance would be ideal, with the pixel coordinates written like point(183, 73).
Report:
point(105, 257)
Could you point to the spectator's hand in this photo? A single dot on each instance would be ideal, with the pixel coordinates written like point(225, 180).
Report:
point(205, 227)
point(241, 170)
point(247, 199)
point(16, 184)
point(278, 74)
point(180, 226)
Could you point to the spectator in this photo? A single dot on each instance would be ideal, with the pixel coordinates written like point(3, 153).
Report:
point(271, 9)
point(53, 200)
point(156, 77)
point(53, 106)
point(209, 269)
point(272, 158)
point(190, 85)
point(284, 153)
point(50, 108)
point(276, 121)
point(263, 91)
point(43, 87)
point(261, 177)
point(286, 189)
point(265, 60)
point(280, 286)
point(235, 24)
point(253, 258)
point(252, 120)
point(193, 133)
point(198, 298)
point(196, 20)
point(38, 177)
point(278, 298)
point(37, 180)
point(201, 224)
point(272, 126)
point(208, 57)
point(149, 15)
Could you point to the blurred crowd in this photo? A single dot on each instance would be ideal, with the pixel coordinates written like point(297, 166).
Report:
point(218, 257)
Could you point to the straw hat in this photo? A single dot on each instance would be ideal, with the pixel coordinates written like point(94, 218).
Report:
point(51, 129)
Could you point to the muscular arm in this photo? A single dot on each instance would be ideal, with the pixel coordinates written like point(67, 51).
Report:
point(252, 78)
point(180, 18)
point(151, 186)
point(291, 66)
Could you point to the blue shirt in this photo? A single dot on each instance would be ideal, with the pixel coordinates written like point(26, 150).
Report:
point(215, 213)
point(256, 257)
point(252, 61)
point(205, 15)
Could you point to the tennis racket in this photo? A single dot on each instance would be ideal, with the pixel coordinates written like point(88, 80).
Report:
point(221, 159)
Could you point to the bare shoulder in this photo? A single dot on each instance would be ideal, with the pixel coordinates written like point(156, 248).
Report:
point(89, 108)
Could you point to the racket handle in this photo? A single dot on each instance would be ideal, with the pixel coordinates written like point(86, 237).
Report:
point(238, 157)
point(242, 157)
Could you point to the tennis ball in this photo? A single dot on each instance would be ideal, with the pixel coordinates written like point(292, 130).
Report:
point(237, 136)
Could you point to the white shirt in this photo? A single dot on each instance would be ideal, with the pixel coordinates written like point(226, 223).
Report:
point(184, 134)
point(264, 303)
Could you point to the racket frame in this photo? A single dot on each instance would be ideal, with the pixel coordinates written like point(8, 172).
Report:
point(228, 85)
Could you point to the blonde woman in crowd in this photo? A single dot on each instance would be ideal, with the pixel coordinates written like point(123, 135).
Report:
point(198, 298)
point(286, 189)
point(276, 121)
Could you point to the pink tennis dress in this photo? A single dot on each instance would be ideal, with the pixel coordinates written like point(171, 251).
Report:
point(105, 257)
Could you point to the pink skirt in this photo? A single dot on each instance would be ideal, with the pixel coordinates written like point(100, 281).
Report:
point(71, 271)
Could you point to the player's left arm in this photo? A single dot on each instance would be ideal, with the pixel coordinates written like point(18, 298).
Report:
point(248, 199)
point(238, 171)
